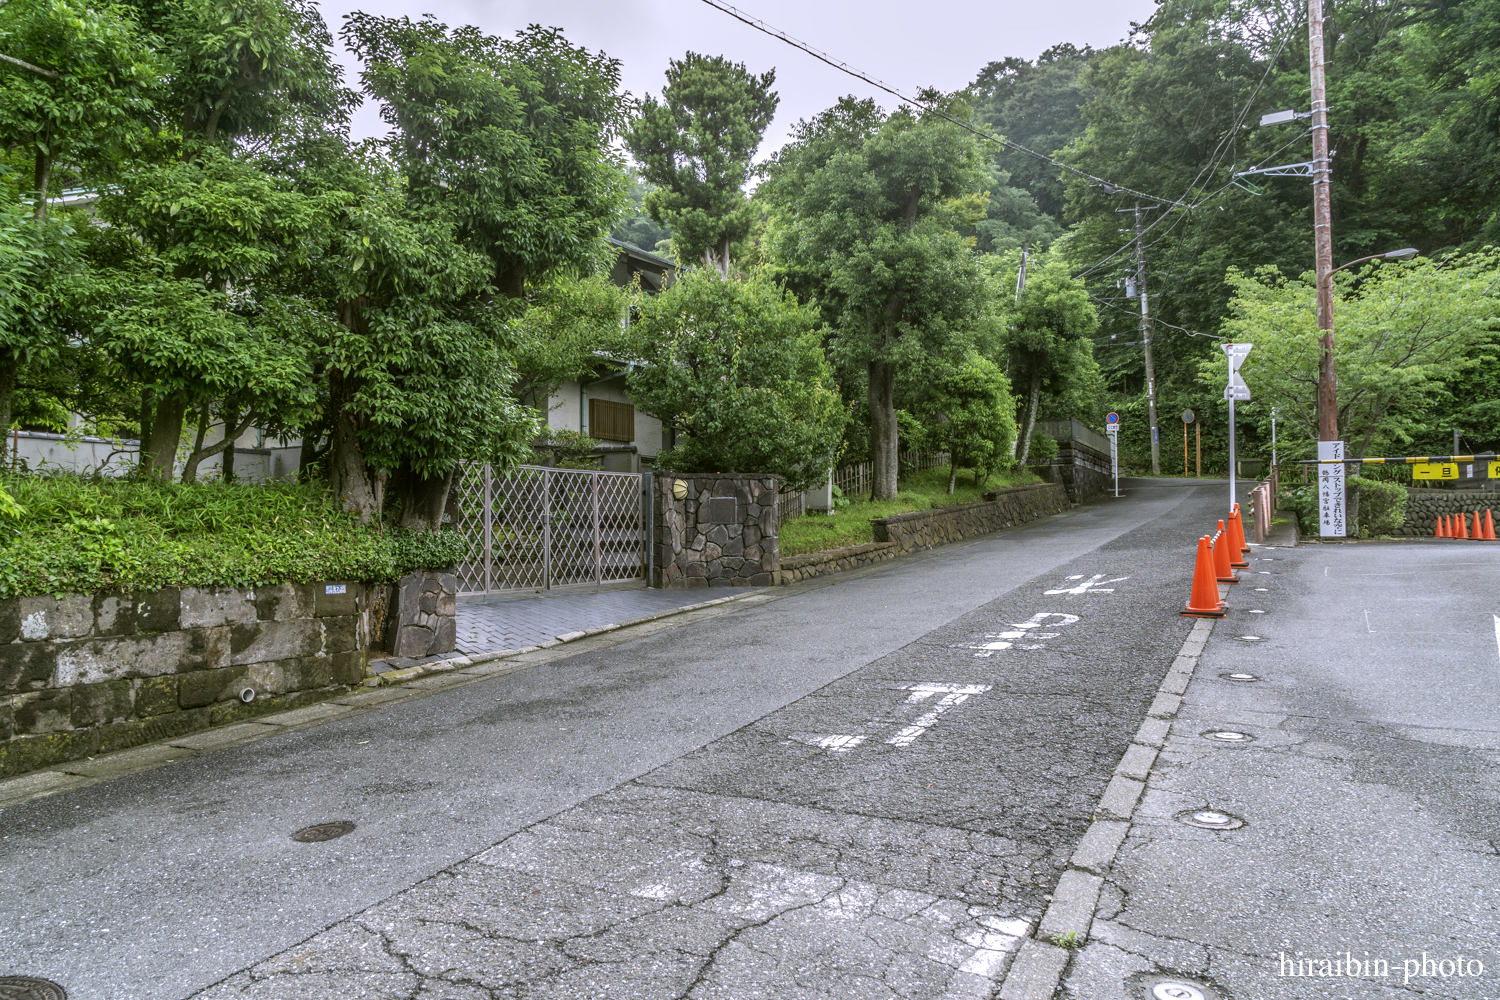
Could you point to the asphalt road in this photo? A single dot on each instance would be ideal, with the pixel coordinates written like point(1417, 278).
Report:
point(841, 792)
point(1368, 786)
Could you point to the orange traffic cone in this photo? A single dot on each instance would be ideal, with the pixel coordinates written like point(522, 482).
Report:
point(1448, 528)
point(1463, 524)
point(1204, 601)
point(1489, 527)
point(1237, 547)
point(1223, 569)
point(1478, 526)
point(1441, 531)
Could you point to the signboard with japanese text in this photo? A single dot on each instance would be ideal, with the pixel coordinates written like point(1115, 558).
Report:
point(1435, 470)
point(1331, 513)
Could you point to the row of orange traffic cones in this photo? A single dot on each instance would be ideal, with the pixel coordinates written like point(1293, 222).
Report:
point(1218, 557)
point(1457, 526)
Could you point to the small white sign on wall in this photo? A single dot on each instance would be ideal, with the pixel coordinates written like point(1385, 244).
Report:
point(334, 588)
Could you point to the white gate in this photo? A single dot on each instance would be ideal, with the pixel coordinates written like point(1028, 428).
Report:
point(534, 528)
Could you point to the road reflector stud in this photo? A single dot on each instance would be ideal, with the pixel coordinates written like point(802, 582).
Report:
point(1203, 600)
point(1210, 819)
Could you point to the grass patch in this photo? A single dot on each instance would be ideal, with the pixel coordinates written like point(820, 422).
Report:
point(918, 491)
point(82, 535)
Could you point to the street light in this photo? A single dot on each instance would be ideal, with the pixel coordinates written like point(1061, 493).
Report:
point(1328, 395)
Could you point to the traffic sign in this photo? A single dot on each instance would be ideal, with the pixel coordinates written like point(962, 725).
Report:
point(1236, 389)
point(1113, 418)
point(1236, 354)
point(1187, 416)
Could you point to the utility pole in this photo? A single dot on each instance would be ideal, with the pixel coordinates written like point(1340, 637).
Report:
point(1322, 178)
point(1140, 287)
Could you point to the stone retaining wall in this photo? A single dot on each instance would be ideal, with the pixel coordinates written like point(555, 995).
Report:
point(1080, 470)
point(902, 533)
point(86, 674)
point(721, 532)
point(1424, 505)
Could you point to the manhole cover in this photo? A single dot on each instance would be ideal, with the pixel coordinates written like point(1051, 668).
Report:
point(1228, 736)
point(1243, 678)
point(1251, 638)
point(1167, 986)
point(1210, 819)
point(1256, 611)
point(323, 831)
point(30, 988)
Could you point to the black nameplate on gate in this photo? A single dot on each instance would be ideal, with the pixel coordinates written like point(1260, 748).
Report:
point(721, 510)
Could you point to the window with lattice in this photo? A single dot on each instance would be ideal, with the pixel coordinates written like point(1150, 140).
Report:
point(611, 421)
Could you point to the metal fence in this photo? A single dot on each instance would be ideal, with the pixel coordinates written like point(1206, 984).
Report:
point(1074, 429)
point(534, 528)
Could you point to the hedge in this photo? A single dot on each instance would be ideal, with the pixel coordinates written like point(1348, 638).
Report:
point(83, 535)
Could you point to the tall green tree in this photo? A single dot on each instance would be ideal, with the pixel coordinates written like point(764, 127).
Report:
point(866, 208)
point(696, 145)
point(76, 85)
point(1049, 337)
point(511, 137)
point(1403, 332)
point(738, 368)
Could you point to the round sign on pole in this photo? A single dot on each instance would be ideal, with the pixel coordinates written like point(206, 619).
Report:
point(1187, 416)
point(1113, 418)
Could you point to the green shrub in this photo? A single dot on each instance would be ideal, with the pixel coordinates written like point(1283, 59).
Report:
point(1303, 501)
point(1382, 506)
point(82, 535)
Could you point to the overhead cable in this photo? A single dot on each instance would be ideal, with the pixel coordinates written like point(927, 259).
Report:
point(844, 67)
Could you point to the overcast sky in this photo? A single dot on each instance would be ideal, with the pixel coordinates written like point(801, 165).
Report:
point(907, 44)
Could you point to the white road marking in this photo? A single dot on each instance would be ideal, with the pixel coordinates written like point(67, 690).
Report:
point(837, 742)
point(953, 694)
point(1089, 586)
point(1497, 634)
point(1022, 630)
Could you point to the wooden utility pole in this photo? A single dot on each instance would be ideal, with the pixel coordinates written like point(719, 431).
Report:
point(1140, 287)
point(1322, 178)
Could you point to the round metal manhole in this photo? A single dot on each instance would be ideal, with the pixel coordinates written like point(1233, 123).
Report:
point(1168, 986)
point(323, 831)
point(1228, 736)
point(1256, 611)
point(1242, 678)
point(1176, 991)
point(1250, 638)
point(1210, 819)
point(30, 988)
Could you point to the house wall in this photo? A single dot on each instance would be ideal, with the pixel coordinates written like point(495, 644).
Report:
point(42, 451)
point(569, 411)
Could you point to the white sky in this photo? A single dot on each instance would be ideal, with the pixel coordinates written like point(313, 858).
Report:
point(906, 44)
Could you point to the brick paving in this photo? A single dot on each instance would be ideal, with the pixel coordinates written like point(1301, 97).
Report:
point(526, 621)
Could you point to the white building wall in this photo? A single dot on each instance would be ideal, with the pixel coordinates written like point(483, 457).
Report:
point(569, 411)
point(563, 410)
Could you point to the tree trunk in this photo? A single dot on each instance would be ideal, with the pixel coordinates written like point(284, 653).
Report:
point(166, 433)
point(952, 473)
point(42, 179)
point(226, 464)
point(347, 475)
point(1036, 393)
point(422, 499)
point(148, 414)
point(8, 369)
point(884, 436)
point(190, 467)
point(510, 278)
point(225, 445)
point(309, 453)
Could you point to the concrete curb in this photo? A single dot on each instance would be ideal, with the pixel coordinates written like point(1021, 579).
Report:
point(474, 659)
point(1036, 973)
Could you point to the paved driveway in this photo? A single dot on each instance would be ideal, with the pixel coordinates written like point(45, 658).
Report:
point(516, 622)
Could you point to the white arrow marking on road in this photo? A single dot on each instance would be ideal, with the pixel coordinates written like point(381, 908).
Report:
point(953, 694)
point(1089, 586)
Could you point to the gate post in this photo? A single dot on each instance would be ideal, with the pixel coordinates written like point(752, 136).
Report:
point(598, 563)
point(547, 529)
point(489, 517)
point(648, 514)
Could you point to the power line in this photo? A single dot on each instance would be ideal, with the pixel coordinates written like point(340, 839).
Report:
point(844, 67)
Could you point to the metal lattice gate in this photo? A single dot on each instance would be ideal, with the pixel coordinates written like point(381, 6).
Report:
point(534, 528)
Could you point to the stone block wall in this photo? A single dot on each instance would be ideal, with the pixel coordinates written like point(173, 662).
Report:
point(903, 533)
point(701, 543)
point(1080, 470)
point(923, 529)
point(1424, 505)
point(86, 674)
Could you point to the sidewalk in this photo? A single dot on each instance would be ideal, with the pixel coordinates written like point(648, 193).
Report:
point(531, 619)
point(1321, 822)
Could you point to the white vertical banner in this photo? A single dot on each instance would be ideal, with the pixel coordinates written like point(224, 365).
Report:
point(1331, 514)
point(1114, 453)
